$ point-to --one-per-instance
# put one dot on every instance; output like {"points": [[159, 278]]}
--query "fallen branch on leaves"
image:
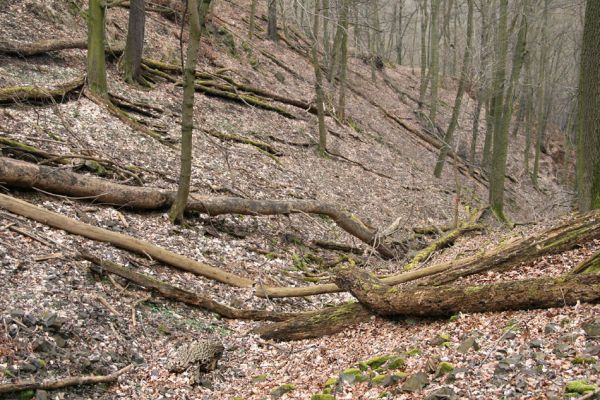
{"points": [[32, 93], [174, 293], [26, 175], [440, 301], [63, 382], [26, 49]]}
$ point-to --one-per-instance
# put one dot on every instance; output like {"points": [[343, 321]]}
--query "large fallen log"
{"points": [[507, 255], [446, 300], [25, 175], [27, 49]]}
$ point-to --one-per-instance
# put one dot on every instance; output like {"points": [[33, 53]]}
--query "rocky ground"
{"points": [[58, 317]]}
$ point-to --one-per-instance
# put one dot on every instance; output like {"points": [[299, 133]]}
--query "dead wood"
{"points": [[175, 293], [28, 49], [590, 264], [63, 382], [316, 324], [241, 139], [508, 255], [337, 247], [30, 93], [440, 301], [120, 240], [25, 175]]}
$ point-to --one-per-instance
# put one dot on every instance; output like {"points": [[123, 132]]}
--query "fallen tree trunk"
{"points": [[16, 94], [174, 293], [62, 383], [446, 300], [22, 174], [590, 264], [555, 240], [27, 49], [120, 240], [316, 324]]}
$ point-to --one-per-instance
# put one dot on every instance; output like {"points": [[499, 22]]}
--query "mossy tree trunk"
{"points": [[197, 9], [439, 166], [447, 300], [588, 135], [252, 18], [134, 47], [96, 66]]}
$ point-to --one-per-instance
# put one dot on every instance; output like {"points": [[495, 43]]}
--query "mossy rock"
{"points": [[281, 390], [580, 387], [395, 362], [377, 362], [413, 352], [582, 360], [259, 378], [352, 375], [444, 368], [26, 394], [331, 381], [322, 396]]}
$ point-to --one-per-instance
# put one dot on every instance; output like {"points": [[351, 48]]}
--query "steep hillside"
{"points": [[69, 319]]}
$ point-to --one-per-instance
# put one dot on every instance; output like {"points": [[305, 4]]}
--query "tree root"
{"points": [[19, 94], [22, 174], [64, 382], [174, 293], [441, 301]]}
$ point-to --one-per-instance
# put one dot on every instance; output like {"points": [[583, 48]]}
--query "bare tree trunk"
{"points": [[434, 68], [541, 95], [96, 66], [134, 47], [459, 94], [343, 60], [319, 83], [252, 19], [588, 135], [272, 21], [197, 12]]}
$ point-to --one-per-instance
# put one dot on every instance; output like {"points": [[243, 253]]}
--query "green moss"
{"points": [[453, 318], [444, 368], [281, 390], [471, 290], [413, 352], [396, 363], [378, 379], [331, 381], [581, 360], [579, 386], [376, 362], [322, 396], [259, 378], [352, 371], [26, 394], [392, 290]]}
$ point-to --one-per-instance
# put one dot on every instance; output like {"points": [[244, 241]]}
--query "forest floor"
{"points": [[60, 318]]}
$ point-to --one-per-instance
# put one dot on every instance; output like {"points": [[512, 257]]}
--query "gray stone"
{"points": [[41, 395], [536, 344], [467, 344], [592, 330], [416, 382], [445, 392], [551, 328]]}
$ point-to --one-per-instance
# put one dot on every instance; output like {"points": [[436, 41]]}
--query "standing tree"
{"points": [[439, 166], [588, 134], [197, 10], [96, 66], [252, 17], [132, 57], [434, 68], [319, 83], [272, 21], [343, 60]]}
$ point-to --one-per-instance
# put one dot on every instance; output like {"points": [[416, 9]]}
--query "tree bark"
{"points": [[26, 175], [134, 47], [96, 66], [272, 21], [320, 96], [14, 48], [443, 301], [17, 94], [588, 135]]}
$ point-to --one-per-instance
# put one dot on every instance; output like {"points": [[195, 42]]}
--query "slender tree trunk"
{"points": [[399, 35], [588, 134], [326, 41], [343, 60], [541, 95], [424, 74], [459, 94], [319, 83], [272, 21], [96, 66], [500, 141], [252, 18], [197, 12], [434, 68]]}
